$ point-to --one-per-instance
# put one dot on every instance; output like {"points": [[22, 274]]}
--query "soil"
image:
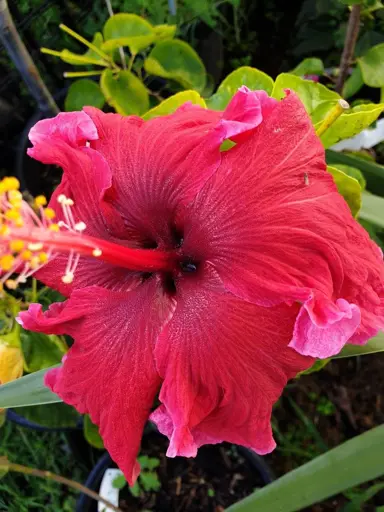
{"points": [[343, 400], [218, 477]]}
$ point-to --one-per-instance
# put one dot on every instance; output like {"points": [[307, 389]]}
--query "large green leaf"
{"points": [[354, 172], [310, 66], [54, 415], [40, 350], [376, 344], [317, 99], [253, 78], [348, 187], [124, 92], [351, 123], [163, 32], [372, 66], [352, 463], [353, 84], [28, 390], [127, 30], [178, 61], [174, 102], [84, 93], [373, 209], [91, 433]]}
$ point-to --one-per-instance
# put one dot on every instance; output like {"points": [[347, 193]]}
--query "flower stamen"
{"points": [[29, 239]]}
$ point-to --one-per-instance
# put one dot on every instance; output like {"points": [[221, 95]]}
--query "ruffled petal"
{"points": [[324, 335], [159, 165], [109, 372], [289, 235], [224, 363], [87, 178]]}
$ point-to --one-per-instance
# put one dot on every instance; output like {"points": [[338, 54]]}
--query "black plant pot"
{"points": [[93, 482]]}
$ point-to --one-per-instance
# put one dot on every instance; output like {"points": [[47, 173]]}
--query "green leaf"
{"points": [[56, 415], [310, 66], [316, 367], [372, 66], [351, 123], [348, 187], [178, 61], [353, 84], [28, 390], [149, 481], [4, 466], [127, 30], [163, 32], [322, 477], [173, 103], [253, 78], [372, 209], [135, 490], [354, 173], [40, 350], [125, 92], [91, 433], [357, 503], [148, 462], [119, 482], [371, 169], [3, 416], [316, 98], [374, 345], [80, 60], [84, 93]]}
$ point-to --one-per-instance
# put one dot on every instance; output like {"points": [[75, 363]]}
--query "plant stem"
{"points": [[18, 468], [121, 50], [349, 46], [82, 39], [34, 290], [23, 61]]}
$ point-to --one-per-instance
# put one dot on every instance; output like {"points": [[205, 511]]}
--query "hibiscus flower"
{"points": [[208, 277]]}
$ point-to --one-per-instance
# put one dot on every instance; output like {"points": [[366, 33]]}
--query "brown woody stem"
{"points": [[349, 46], [18, 468]]}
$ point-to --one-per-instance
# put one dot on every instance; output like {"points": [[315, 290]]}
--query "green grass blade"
{"points": [[28, 390], [352, 463], [372, 209], [375, 344]]}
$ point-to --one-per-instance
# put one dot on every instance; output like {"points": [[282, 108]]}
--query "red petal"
{"points": [[109, 372], [288, 235], [224, 363], [86, 180], [161, 164]]}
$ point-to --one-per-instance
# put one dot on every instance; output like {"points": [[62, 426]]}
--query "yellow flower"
{"points": [[11, 362]]}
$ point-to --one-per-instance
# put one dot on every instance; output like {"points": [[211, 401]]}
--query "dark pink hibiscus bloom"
{"points": [[212, 277]]}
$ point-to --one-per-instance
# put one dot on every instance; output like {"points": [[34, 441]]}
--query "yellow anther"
{"points": [[67, 278], [16, 245], [11, 284], [34, 262], [16, 203], [26, 255], [40, 201], [43, 257], [49, 213], [6, 262], [14, 194], [4, 230], [10, 183], [12, 214], [19, 223], [37, 246], [97, 252], [54, 227]]}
